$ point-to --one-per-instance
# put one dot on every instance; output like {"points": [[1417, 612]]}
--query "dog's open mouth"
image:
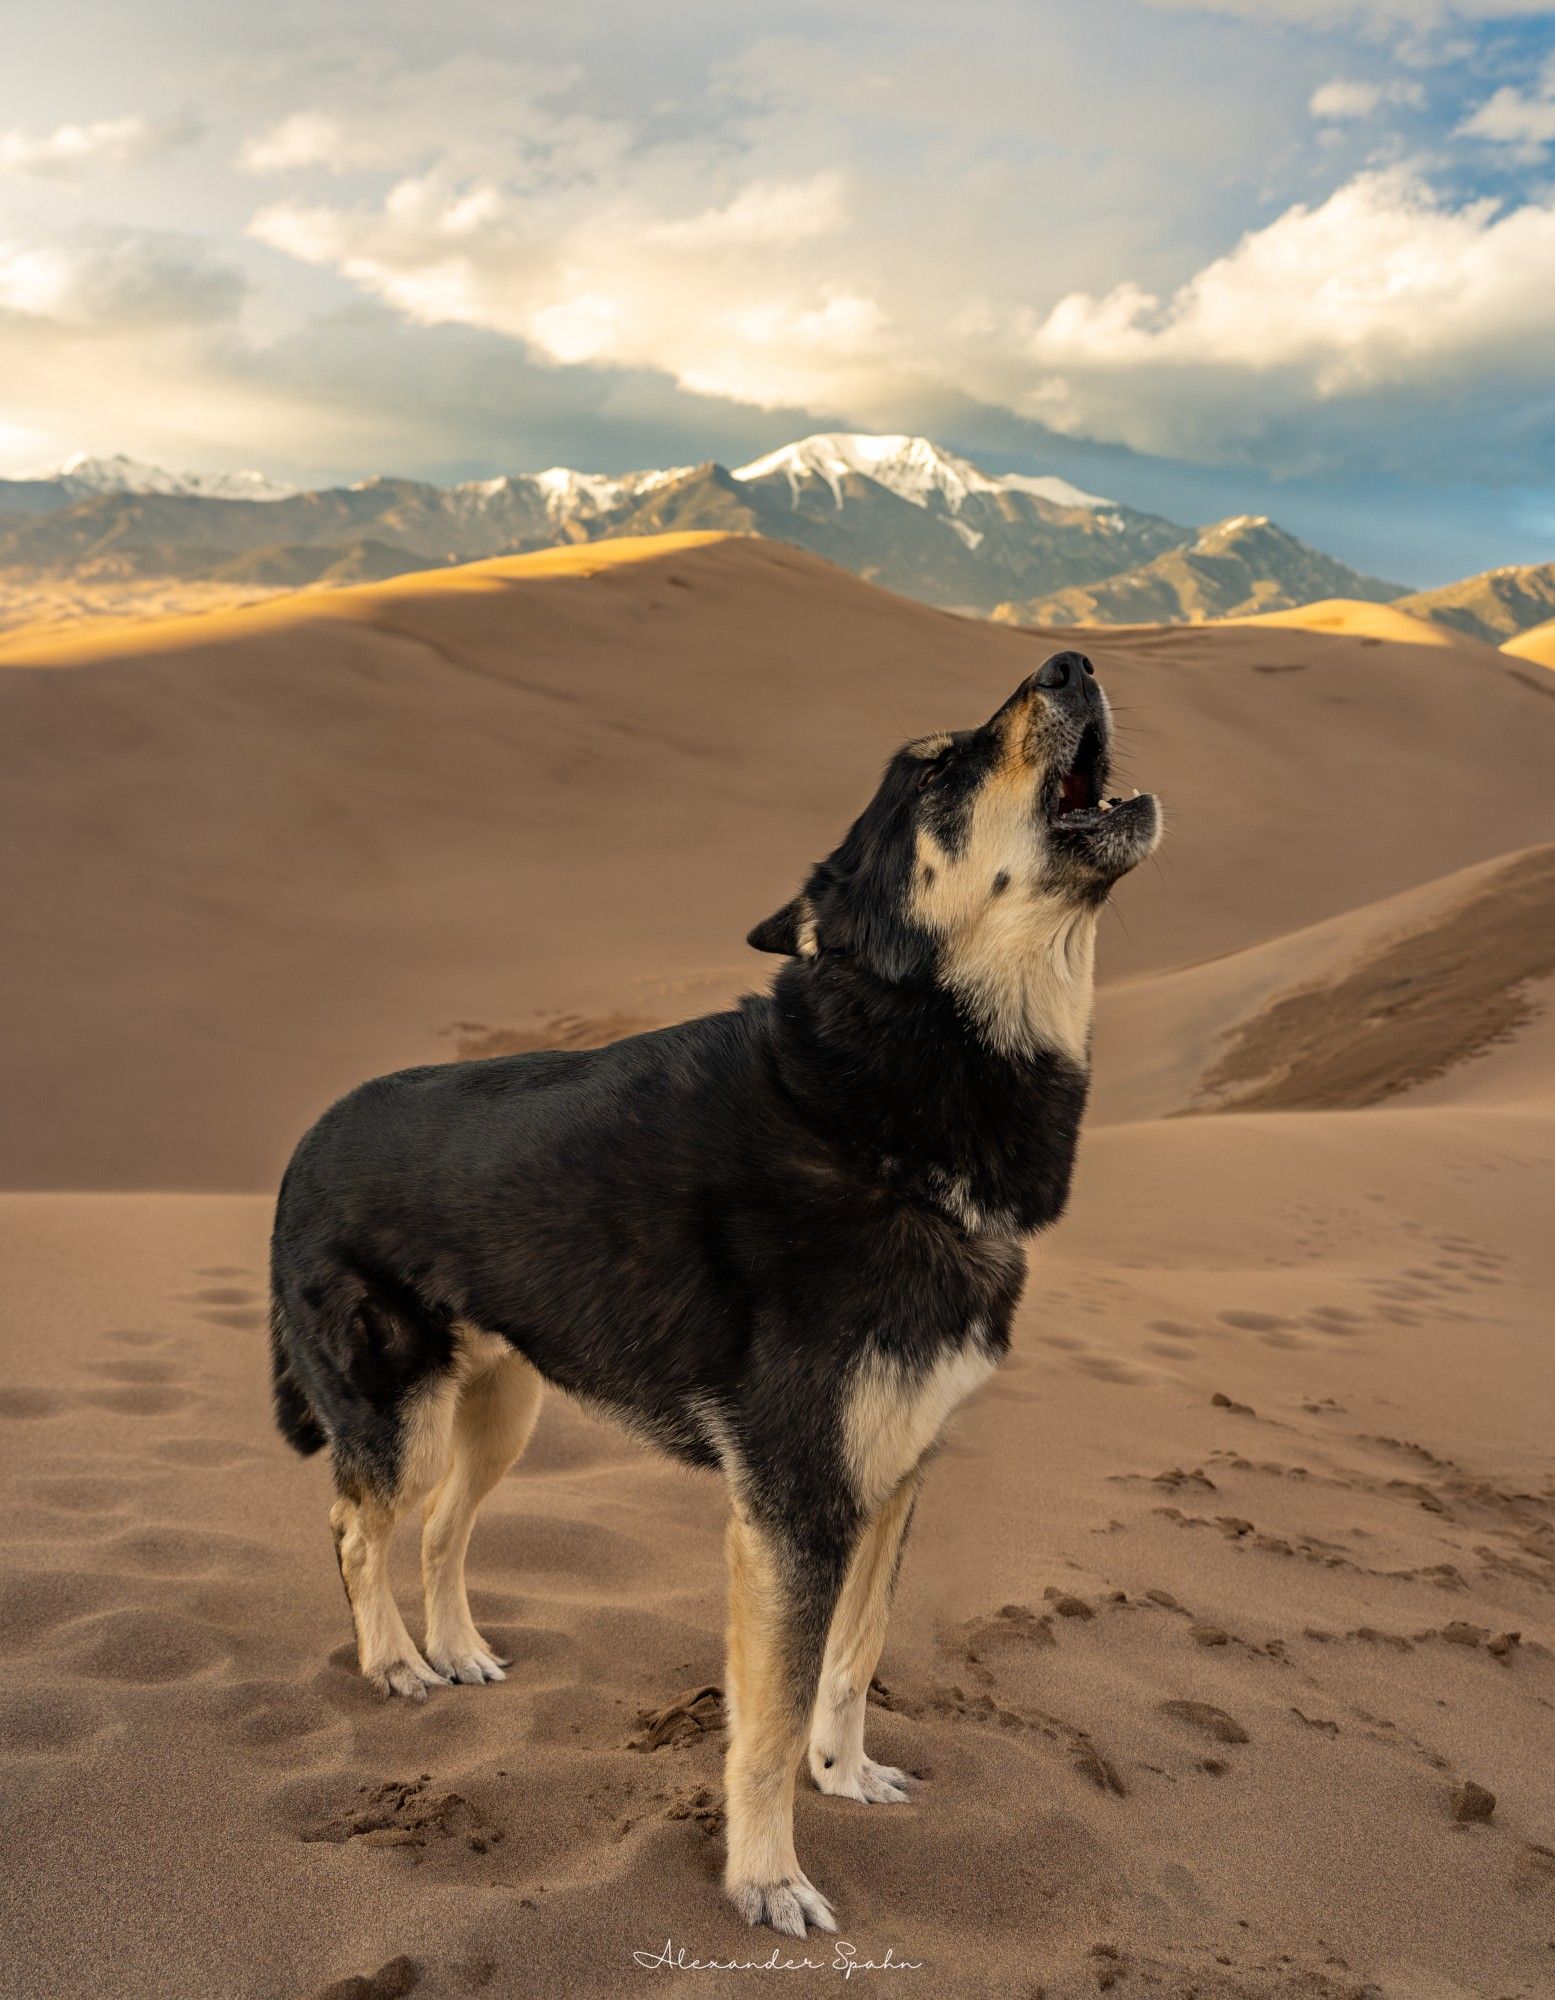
{"points": [[1080, 805]]}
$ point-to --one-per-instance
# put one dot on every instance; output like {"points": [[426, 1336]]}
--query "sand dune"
{"points": [[1451, 970], [568, 784], [1355, 618], [49, 610], [1226, 1594], [1538, 645]]}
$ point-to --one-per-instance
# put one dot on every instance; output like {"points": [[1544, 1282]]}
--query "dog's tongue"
{"points": [[1076, 793]]}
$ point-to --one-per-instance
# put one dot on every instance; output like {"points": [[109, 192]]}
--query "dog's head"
{"points": [[981, 861]]}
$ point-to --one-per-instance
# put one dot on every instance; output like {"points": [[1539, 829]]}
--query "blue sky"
{"points": [[1207, 256]]}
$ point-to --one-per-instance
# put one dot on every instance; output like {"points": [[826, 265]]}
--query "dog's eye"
{"points": [[931, 773]]}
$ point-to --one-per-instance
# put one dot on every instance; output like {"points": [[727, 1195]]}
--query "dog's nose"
{"points": [[1063, 670]]}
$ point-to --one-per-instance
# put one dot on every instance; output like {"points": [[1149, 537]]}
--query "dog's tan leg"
{"points": [[779, 1606], [363, 1525], [853, 1647], [492, 1420]]}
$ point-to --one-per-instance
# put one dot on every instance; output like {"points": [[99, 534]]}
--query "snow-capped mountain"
{"points": [[559, 492], [83, 476], [899, 510], [911, 467]]}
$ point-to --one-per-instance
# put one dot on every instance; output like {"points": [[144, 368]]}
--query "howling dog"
{"points": [[783, 1243]]}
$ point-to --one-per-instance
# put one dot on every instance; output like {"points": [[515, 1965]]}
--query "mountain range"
{"points": [[899, 511]]}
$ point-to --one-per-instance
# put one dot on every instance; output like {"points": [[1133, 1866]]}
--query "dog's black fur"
{"points": [[701, 1229]]}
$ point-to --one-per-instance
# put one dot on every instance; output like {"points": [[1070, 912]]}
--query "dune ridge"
{"points": [[1537, 645], [1355, 617]]}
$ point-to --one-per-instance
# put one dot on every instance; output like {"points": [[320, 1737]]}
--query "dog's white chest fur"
{"points": [[895, 1410]]}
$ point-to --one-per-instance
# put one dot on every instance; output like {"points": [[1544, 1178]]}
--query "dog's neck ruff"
{"points": [[904, 1082], [1030, 984]]}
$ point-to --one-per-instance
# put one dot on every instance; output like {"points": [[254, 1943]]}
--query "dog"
{"points": [[782, 1242]]}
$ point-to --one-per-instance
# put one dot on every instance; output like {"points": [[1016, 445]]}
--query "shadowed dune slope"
{"points": [[1359, 1008], [250, 858]]}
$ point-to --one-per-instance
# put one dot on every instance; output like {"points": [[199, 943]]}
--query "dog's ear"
{"points": [[789, 932]]}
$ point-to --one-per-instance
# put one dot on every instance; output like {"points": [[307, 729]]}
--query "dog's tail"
{"points": [[294, 1414]]}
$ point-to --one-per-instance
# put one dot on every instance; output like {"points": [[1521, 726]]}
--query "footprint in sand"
{"points": [[1207, 1720], [395, 1978], [44, 1722], [236, 1306], [134, 1371], [272, 1712], [517, 1543], [23, 1404], [71, 1495], [146, 1647], [243, 1319], [142, 1400], [399, 1812], [172, 1551], [36, 1603], [204, 1451], [1270, 1327]]}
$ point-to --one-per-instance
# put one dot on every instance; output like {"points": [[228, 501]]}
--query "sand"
{"points": [[1537, 645], [1356, 618], [1224, 1597], [50, 609]]}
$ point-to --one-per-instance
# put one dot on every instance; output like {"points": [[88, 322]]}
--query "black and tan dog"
{"points": [[782, 1242]]}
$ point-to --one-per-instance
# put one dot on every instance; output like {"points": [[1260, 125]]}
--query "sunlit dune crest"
{"points": [[1538, 645], [1353, 618], [60, 641]]}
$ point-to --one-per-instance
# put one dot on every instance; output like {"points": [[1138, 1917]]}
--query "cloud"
{"points": [[1382, 292], [305, 139], [117, 282], [728, 301], [764, 212], [1347, 97], [104, 146], [1522, 122], [1327, 14], [472, 116]]}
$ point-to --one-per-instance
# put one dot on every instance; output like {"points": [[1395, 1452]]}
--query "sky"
{"points": [[1293, 257]]}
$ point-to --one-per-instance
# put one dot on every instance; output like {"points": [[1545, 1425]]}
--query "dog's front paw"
{"points": [[787, 1905], [469, 1665], [870, 1783], [410, 1677]]}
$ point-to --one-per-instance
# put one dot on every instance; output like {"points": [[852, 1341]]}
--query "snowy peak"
{"points": [[1220, 536], [85, 475], [911, 467], [562, 493]]}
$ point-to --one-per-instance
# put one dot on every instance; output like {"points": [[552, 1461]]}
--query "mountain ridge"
{"points": [[895, 509]]}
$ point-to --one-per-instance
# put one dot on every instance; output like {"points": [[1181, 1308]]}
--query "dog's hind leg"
{"points": [[782, 1591], [363, 1520], [853, 1647], [499, 1398]]}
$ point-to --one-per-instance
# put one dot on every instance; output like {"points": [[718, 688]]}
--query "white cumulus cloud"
{"points": [[1523, 121], [1383, 288], [1348, 97], [727, 300], [117, 282], [71, 151]]}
